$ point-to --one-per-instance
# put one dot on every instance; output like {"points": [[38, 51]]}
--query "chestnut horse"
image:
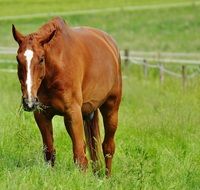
{"points": [[71, 72]]}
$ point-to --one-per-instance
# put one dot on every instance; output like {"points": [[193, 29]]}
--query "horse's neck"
{"points": [[50, 73], [54, 53]]}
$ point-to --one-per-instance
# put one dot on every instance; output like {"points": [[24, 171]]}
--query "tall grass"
{"points": [[157, 140]]}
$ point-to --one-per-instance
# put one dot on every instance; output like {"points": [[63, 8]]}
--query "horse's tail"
{"points": [[93, 140]]}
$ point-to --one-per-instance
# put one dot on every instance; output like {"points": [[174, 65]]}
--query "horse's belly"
{"points": [[93, 98], [91, 106], [95, 91], [101, 71]]}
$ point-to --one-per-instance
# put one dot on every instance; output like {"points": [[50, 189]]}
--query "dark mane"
{"points": [[56, 23]]}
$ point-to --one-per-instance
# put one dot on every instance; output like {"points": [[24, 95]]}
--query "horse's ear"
{"points": [[47, 38], [17, 35]]}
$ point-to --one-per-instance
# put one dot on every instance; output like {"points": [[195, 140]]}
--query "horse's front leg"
{"points": [[74, 125], [44, 123]]}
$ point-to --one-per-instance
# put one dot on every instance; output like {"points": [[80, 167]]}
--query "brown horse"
{"points": [[72, 72]]}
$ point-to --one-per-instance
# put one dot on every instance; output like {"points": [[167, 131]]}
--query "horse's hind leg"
{"points": [[44, 123], [92, 134], [109, 111]]}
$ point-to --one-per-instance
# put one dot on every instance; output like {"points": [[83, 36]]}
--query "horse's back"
{"points": [[103, 36]]}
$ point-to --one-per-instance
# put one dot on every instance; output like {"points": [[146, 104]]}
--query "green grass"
{"points": [[159, 126], [157, 140], [152, 30], [8, 7]]}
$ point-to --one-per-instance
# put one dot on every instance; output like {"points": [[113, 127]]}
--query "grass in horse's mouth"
{"points": [[39, 107]]}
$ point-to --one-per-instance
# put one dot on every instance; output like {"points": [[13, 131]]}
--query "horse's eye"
{"points": [[42, 60]]}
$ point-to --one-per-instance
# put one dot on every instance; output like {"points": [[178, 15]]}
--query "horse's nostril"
{"points": [[30, 104], [36, 101], [24, 100]]}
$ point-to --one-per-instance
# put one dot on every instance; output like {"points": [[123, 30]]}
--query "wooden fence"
{"points": [[148, 60], [154, 60]]}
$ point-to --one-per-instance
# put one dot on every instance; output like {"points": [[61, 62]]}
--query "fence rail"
{"points": [[148, 60], [160, 54], [154, 60]]}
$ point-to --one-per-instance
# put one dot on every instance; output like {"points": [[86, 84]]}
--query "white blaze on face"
{"points": [[29, 55]]}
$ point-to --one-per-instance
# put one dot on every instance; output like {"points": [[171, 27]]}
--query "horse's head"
{"points": [[31, 66]]}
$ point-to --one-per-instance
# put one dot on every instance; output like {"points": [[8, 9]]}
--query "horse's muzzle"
{"points": [[30, 104]]}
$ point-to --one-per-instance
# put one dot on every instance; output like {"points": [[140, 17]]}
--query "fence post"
{"points": [[126, 56], [161, 68], [184, 75], [145, 68], [161, 73]]}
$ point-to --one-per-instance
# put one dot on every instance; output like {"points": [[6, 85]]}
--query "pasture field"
{"points": [[174, 29], [8, 7], [158, 138]]}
